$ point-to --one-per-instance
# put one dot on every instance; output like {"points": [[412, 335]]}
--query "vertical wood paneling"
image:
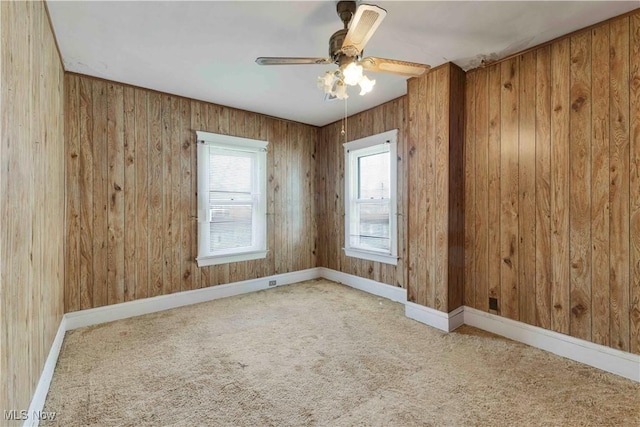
{"points": [[619, 182], [139, 157], [580, 186], [494, 202], [424, 170], [442, 166], [577, 123], [168, 212], [188, 240], [85, 188], [156, 184], [480, 209], [430, 195], [527, 188], [634, 197], [509, 190], [130, 210], [600, 185], [115, 212], [560, 75], [196, 113], [471, 97], [32, 193], [543, 187], [141, 225], [72, 166], [413, 163], [100, 193]]}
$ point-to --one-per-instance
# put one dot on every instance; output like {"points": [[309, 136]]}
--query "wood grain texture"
{"points": [[527, 188], [576, 176], [456, 212], [580, 186], [470, 230], [634, 197], [619, 183], [100, 193], [115, 213], [479, 213], [543, 188], [32, 194], [510, 81], [140, 209], [600, 120], [72, 165], [560, 75], [129, 231], [495, 181], [141, 224], [441, 220], [85, 188]]}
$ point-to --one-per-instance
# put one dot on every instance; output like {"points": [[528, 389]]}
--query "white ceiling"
{"points": [[206, 50]]}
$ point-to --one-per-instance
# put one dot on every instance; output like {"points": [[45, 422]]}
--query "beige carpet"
{"points": [[319, 353]]}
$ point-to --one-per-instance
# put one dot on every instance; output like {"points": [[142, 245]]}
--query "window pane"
{"points": [[231, 227], [373, 176], [372, 228], [230, 173]]}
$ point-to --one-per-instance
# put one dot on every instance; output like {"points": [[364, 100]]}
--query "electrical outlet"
{"points": [[272, 282], [493, 304]]}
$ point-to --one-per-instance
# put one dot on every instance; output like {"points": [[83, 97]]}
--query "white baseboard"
{"points": [[367, 285], [42, 389], [606, 358], [438, 319], [94, 316]]}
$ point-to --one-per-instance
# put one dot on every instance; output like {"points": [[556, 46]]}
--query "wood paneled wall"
{"points": [[436, 188], [330, 192], [430, 189], [131, 193], [31, 199], [553, 186]]}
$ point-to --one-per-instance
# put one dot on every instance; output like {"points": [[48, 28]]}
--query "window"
{"points": [[370, 198], [232, 222]]}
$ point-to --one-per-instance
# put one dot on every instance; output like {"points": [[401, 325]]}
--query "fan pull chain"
{"points": [[343, 132]]}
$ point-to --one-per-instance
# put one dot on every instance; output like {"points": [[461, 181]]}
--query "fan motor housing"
{"points": [[335, 43]]}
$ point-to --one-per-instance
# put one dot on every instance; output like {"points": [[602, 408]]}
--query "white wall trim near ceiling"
{"points": [[598, 356]]}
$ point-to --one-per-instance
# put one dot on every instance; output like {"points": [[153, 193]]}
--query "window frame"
{"points": [[242, 147], [354, 150]]}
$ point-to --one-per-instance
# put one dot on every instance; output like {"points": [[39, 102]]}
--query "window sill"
{"points": [[225, 259], [371, 256]]}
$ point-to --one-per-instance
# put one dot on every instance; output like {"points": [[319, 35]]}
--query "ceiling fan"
{"points": [[346, 47]]}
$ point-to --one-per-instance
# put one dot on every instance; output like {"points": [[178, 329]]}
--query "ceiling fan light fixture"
{"points": [[340, 90], [352, 74], [326, 81], [366, 85]]}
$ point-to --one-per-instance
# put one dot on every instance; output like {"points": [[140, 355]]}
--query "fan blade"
{"points": [[362, 26], [274, 60], [403, 68]]}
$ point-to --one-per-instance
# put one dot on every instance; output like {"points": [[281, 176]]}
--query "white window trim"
{"points": [[391, 138], [258, 250]]}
